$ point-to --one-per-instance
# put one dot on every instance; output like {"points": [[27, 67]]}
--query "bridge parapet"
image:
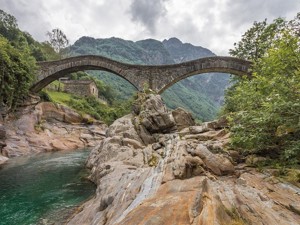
{"points": [[159, 77]]}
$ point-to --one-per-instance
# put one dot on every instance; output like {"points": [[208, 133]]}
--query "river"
{"points": [[43, 189]]}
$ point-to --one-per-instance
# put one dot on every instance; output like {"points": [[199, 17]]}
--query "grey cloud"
{"points": [[148, 12], [213, 24], [198, 30], [237, 17], [243, 12], [30, 16]]}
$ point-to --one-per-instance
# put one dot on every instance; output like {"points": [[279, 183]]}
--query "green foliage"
{"points": [[265, 111], [108, 114], [8, 26], [91, 105], [18, 53], [257, 40], [104, 90], [18, 39], [122, 88], [16, 72], [45, 97], [58, 97], [199, 105], [35, 47], [48, 52]]}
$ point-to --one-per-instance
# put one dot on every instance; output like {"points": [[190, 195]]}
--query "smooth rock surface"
{"points": [[179, 181], [48, 127], [3, 159], [183, 119], [154, 116]]}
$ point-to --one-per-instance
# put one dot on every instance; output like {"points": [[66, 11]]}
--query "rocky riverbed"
{"points": [[157, 167], [47, 127]]}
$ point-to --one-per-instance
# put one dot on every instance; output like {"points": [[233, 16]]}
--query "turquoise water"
{"points": [[43, 189]]}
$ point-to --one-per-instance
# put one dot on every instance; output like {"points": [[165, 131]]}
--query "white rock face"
{"points": [[178, 178], [48, 127], [3, 159]]}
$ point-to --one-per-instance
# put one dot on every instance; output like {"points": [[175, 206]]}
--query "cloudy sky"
{"points": [[214, 24]]}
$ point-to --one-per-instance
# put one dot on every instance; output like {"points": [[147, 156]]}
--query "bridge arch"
{"points": [[53, 70], [228, 65], [158, 77]]}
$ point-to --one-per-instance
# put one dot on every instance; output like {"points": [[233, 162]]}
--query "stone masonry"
{"points": [[159, 78], [81, 87]]}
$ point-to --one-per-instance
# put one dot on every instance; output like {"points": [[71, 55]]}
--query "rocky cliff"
{"points": [[157, 167], [47, 127]]}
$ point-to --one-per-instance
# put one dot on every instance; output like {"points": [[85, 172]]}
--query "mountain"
{"points": [[185, 52], [202, 94]]}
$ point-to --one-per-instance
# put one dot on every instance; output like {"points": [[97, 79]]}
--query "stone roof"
{"points": [[79, 82]]}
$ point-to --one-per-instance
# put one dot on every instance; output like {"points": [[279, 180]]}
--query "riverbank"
{"points": [[44, 188], [47, 127]]}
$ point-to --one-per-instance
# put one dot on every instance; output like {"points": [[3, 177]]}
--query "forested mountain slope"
{"points": [[201, 94]]}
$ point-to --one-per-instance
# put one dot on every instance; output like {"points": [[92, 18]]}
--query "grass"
{"points": [[59, 97], [89, 105], [55, 85], [289, 173], [235, 216]]}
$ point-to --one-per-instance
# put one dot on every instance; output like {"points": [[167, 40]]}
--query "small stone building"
{"points": [[80, 87]]}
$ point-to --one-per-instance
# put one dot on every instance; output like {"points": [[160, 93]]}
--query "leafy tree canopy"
{"points": [[16, 73], [265, 111]]}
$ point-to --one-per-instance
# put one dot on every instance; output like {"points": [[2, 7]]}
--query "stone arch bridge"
{"points": [[159, 78]]}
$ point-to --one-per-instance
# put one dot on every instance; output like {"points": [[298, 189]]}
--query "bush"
{"points": [[16, 73], [90, 105], [45, 96], [265, 111]]}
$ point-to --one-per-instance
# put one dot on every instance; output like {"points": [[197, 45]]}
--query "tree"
{"points": [[16, 73], [17, 38], [8, 25], [35, 47], [265, 111], [257, 40], [48, 51], [58, 40], [294, 25]]}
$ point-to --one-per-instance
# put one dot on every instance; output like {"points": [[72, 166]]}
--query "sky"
{"points": [[213, 24]]}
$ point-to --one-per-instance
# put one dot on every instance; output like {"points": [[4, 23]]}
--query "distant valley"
{"points": [[202, 95]]}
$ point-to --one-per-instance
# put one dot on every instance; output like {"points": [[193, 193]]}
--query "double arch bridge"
{"points": [[159, 77]]}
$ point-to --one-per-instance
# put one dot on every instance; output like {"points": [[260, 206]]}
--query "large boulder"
{"points": [[154, 116], [216, 163], [48, 127], [183, 118], [56, 112], [123, 127], [3, 159]]}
